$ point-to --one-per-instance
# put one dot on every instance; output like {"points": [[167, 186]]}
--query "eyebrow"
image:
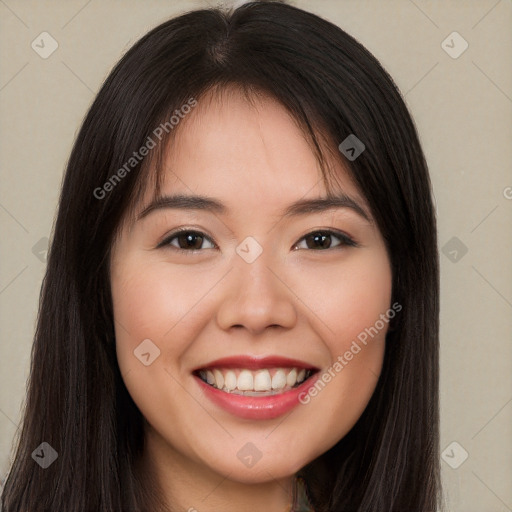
{"points": [[298, 208]]}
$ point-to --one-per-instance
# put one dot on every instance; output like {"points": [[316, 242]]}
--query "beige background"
{"points": [[462, 108]]}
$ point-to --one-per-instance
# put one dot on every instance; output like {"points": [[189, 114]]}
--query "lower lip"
{"points": [[256, 408]]}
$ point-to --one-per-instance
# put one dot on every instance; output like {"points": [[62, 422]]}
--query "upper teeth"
{"points": [[259, 380]]}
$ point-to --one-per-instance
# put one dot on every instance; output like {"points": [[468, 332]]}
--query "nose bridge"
{"points": [[255, 298]]}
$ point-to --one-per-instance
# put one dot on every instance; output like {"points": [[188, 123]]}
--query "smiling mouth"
{"points": [[255, 383]]}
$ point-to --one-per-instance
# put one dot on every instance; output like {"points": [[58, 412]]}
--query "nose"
{"points": [[256, 297]]}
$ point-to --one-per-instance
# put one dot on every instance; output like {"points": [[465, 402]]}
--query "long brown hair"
{"points": [[77, 401]]}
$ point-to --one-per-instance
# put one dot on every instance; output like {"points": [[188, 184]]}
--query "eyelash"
{"points": [[345, 240]]}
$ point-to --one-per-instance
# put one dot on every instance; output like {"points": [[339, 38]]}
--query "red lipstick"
{"points": [[264, 407], [257, 362]]}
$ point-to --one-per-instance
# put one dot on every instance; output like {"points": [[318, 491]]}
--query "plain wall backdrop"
{"points": [[461, 100]]}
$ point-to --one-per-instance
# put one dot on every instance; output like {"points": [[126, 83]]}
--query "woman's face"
{"points": [[275, 296]]}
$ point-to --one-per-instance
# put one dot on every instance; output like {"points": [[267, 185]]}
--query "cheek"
{"points": [[349, 297], [349, 301], [151, 297], [165, 303], [151, 302], [147, 305]]}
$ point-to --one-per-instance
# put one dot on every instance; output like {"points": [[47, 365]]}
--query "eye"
{"points": [[187, 240], [323, 240]]}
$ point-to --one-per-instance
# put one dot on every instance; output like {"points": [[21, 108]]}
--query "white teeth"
{"points": [[279, 380], [254, 383], [219, 378], [209, 377], [262, 381], [230, 380], [291, 379], [245, 381]]}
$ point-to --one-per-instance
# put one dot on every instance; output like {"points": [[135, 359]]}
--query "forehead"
{"points": [[248, 151]]}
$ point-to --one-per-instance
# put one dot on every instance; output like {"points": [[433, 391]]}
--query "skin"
{"points": [[293, 301]]}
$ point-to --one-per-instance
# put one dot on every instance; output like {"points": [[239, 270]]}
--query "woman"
{"points": [[240, 309]]}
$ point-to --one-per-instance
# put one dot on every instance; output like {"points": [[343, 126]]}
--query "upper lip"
{"points": [[256, 363]]}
